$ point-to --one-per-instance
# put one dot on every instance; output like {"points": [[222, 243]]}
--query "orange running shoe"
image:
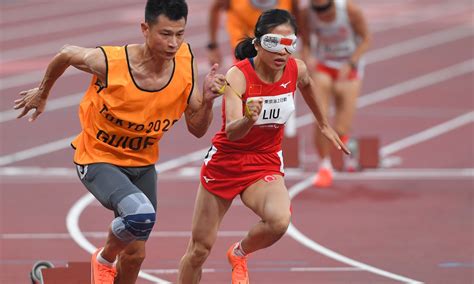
{"points": [[239, 267], [101, 273], [323, 178]]}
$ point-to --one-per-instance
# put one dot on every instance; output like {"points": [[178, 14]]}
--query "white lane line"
{"points": [[66, 142], [429, 134], [407, 174], [73, 216], [386, 150], [372, 56], [419, 43], [120, 34], [405, 87], [82, 203], [44, 10], [72, 223], [407, 46], [54, 25], [103, 235], [47, 173], [54, 104], [31, 77], [416, 16], [90, 19], [266, 269], [36, 151], [379, 55], [307, 242], [369, 99]]}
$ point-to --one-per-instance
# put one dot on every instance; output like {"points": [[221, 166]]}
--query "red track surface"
{"points": [[412, 221]]}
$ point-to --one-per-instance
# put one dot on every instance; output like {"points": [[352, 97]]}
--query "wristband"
{"points": [[222, 89], [247, 112]]}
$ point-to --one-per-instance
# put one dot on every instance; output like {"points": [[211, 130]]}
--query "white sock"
{"points": [[238, 251], [326, 164], [104, 261]]}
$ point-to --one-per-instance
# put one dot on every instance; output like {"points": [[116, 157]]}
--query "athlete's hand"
{"points": [[214, 84], [252, 110], [31, 99], [334, 138]]}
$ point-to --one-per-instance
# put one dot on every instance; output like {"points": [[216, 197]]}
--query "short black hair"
{"points": [[174, 10]]}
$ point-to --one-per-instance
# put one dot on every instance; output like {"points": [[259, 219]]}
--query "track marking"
{"points": [[405, 87], [50, 47], [50, 9], [418, 43], [73, 216], [77, 209], [376, 174], [428, 133], [372, 56], [386, 150], [369, 99], [72, 223], [266, 269], [307, 242], [103, 235], [37, 151]]}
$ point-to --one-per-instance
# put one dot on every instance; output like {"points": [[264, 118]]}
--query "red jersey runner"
{"points": [[231, 166]]}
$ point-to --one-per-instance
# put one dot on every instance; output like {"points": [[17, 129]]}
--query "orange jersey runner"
{"points": [[242, 15], [122, 123]]}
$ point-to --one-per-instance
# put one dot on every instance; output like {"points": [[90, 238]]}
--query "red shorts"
{"points": [[333, 72], [229, 174]]}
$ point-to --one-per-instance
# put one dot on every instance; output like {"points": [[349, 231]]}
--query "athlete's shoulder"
{"points": [[300, 67], [242, 63], [113, 50]]}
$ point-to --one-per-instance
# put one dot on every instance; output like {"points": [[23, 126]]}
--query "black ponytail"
{"points": [[245, 49]]}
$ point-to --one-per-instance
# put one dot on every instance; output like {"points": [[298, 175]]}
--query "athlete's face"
{"points": [[164, 37], [276, 60]]}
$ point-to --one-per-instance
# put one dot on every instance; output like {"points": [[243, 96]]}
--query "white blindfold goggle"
{"points": [[277, 43]]}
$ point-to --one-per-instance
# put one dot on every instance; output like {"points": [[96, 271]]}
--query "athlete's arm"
{"points": [[308, 90], [214, 18], [359, 24], [295, 10], [199, 114], [305, 36], [238, 124], [91, 60]]}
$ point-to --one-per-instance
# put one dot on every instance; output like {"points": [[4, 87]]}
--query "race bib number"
{"points": [[276, 109]]}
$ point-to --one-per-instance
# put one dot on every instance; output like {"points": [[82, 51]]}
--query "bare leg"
{"points": [[271, 202], [346, 100], [208, 213], [129, 261], [112, 247], [324, 89], [130, 258]]}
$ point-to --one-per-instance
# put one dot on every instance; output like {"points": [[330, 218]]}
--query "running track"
{"points": [[409, 221]]}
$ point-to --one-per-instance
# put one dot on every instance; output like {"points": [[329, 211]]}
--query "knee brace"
{"points": [[136, 220]]}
